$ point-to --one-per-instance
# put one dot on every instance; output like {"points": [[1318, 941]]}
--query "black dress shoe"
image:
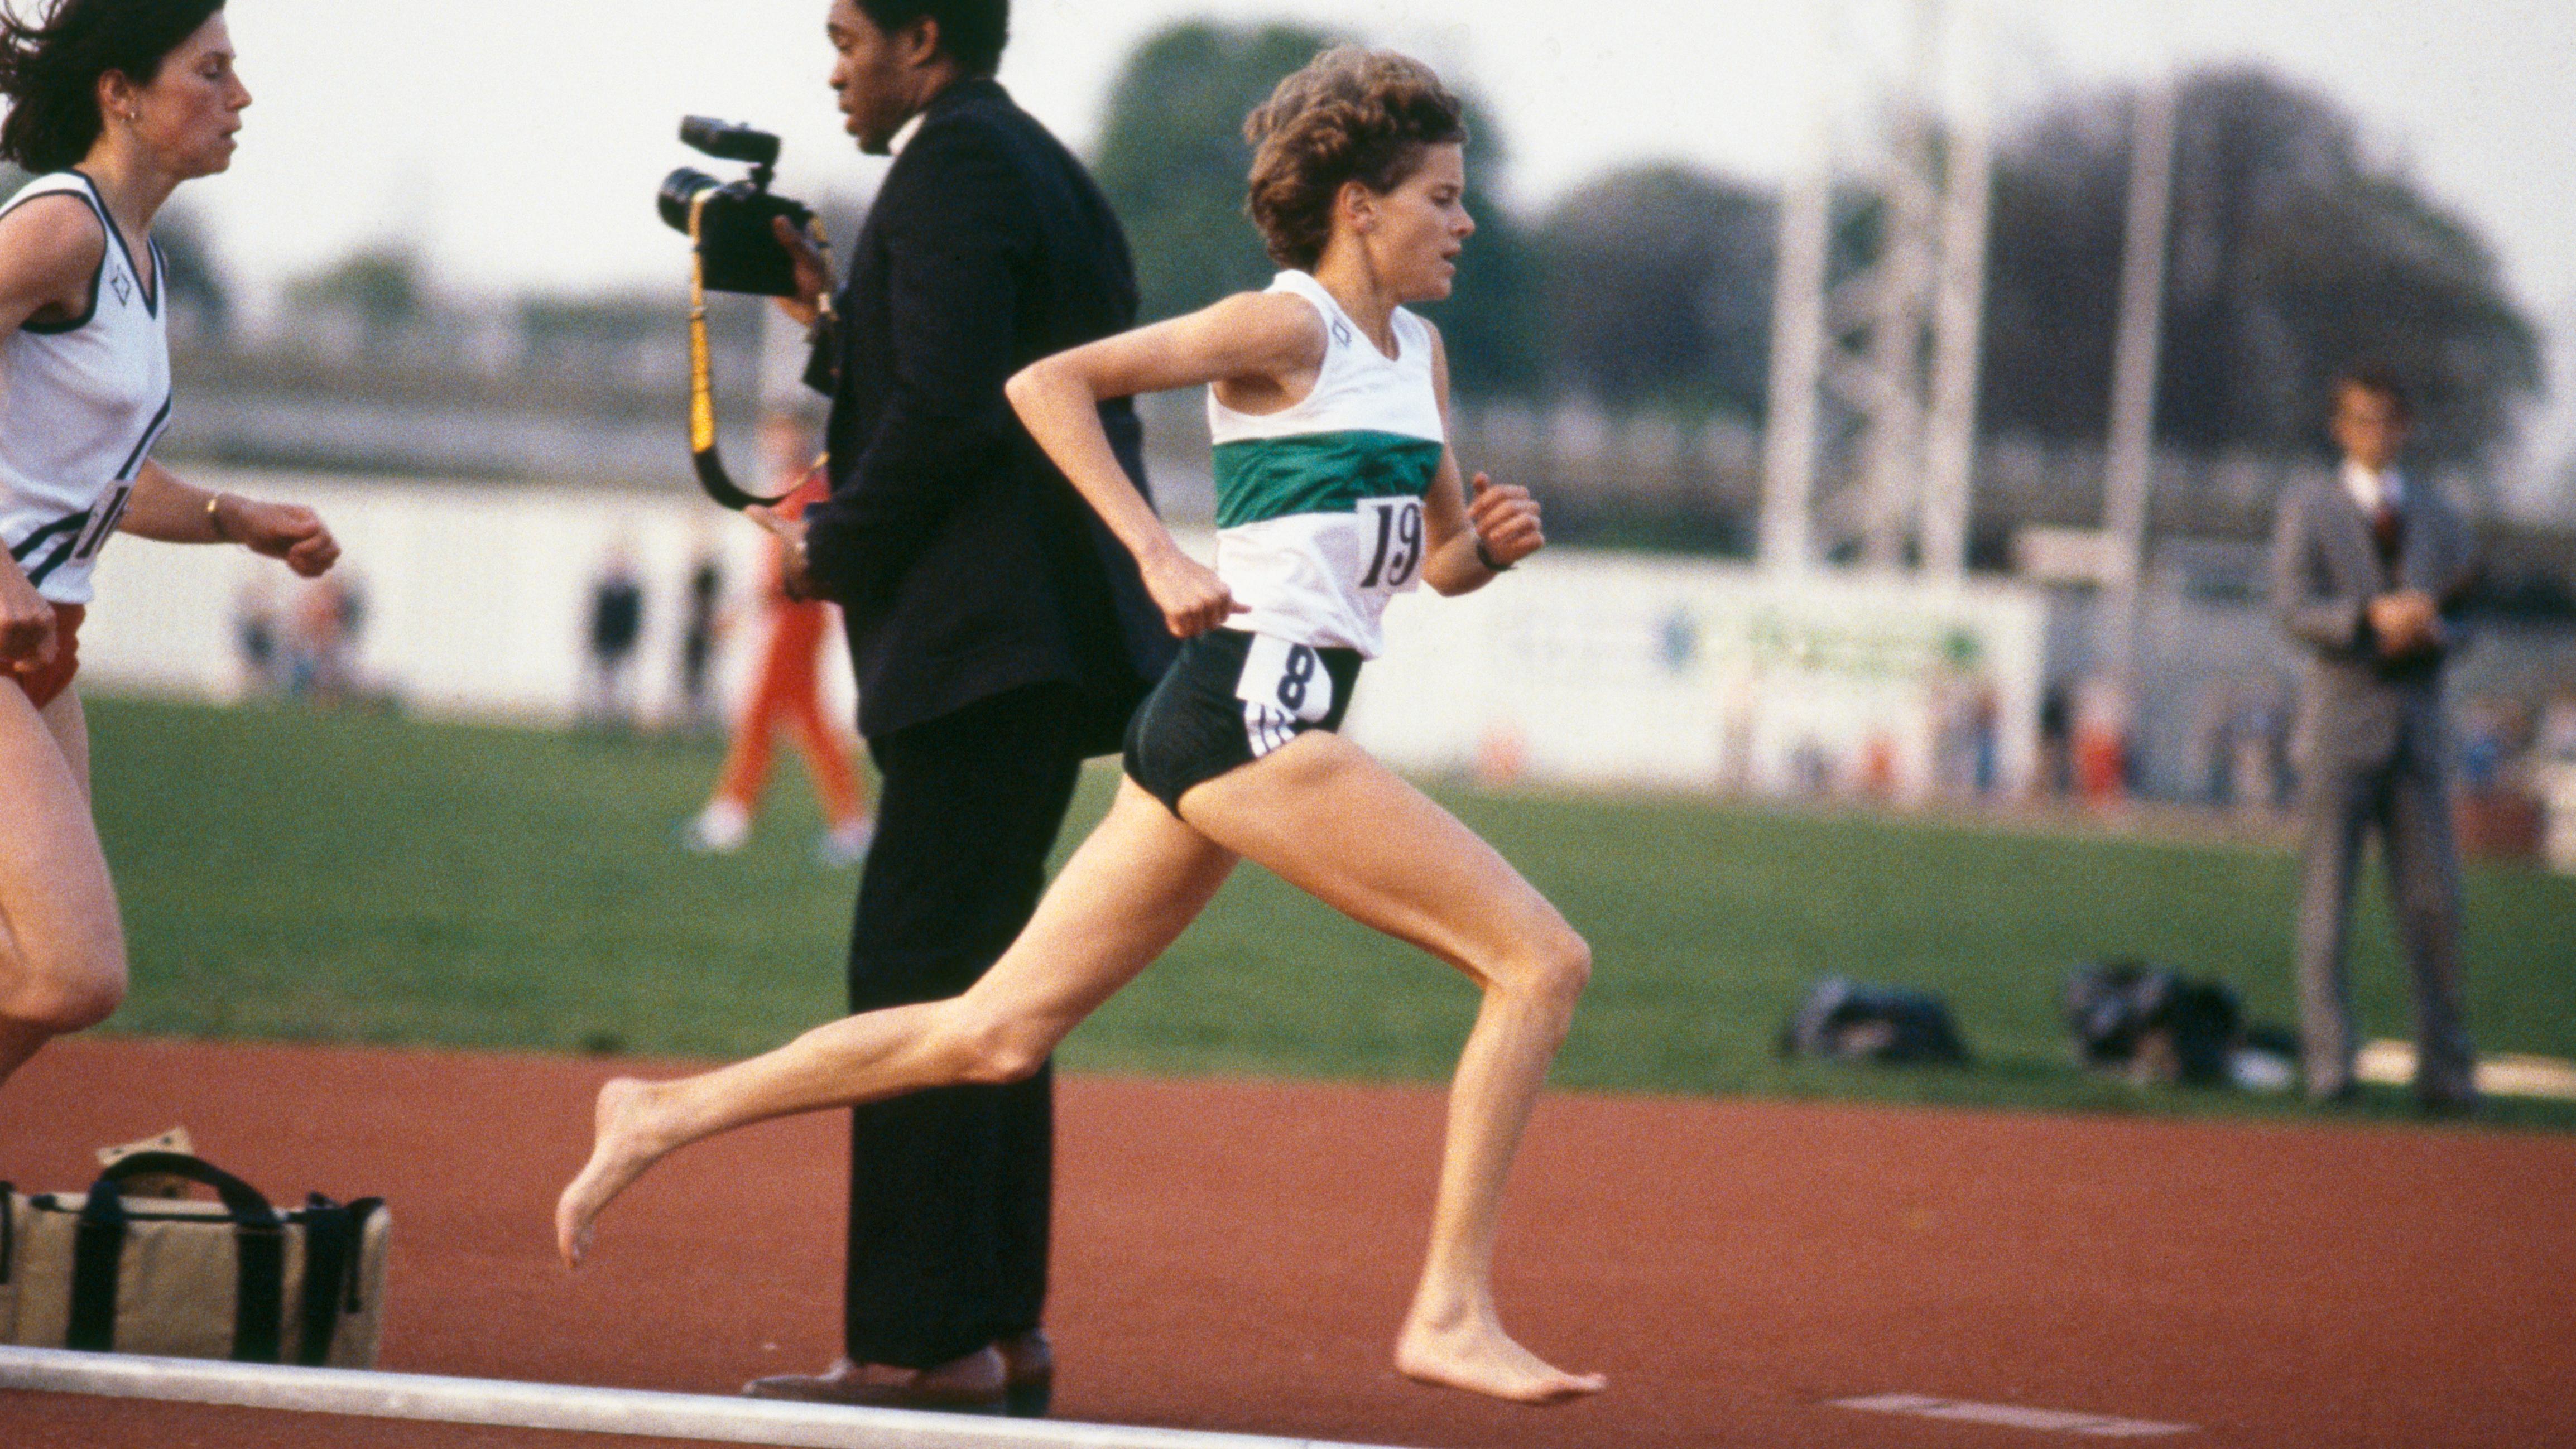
{"points": [[1028, 1373], [974, 1384]]}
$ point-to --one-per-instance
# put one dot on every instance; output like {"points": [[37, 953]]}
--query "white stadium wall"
{"points": [[477, 597], [1634, 670], [1585, 668]]}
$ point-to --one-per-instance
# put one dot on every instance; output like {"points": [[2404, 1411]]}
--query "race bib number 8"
{"points": [[1287, 677]]}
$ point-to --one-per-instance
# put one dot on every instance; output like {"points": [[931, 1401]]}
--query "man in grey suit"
{"points": [[2367, 567]]}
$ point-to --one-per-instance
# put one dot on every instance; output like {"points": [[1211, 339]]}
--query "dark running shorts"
{"points": [[1229, 699]]}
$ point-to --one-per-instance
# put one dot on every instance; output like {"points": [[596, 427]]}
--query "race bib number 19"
{"points": [[1399, 543], [1287, 677]]}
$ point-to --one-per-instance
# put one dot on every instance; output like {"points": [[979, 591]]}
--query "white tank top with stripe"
{"points": [[1319, 505], [81, 402]]}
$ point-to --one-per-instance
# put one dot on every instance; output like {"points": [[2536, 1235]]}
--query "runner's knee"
{"points": [[72, 988], [1552, 966]]}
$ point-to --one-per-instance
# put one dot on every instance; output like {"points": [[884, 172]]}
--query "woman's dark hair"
{"points": [[1351, 115], [49, 68], [971, 32]]}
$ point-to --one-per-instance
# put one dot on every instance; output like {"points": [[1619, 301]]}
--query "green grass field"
{"points": [[309, 876]]}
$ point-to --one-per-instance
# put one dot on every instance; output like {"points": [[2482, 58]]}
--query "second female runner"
{"points": [[114, 103]]}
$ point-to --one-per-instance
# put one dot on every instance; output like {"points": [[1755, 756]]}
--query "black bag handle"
{"points": [[98, 1248], [248, 1207], [330, 1243]]}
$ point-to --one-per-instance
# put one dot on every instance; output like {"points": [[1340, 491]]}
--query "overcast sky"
{"points": [[518, 142]]}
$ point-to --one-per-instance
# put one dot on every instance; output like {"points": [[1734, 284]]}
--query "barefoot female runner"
{"points": [[1335, 490], [115, 102]]}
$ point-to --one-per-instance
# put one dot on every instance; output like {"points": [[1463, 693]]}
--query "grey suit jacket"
{"points": [[2356, 709]]}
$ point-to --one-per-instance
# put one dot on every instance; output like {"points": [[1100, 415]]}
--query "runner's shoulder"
{"points": [[50, 243], [1281, 326]]}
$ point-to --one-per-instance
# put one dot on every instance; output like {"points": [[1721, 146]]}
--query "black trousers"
{"points": [[950, 1189]]}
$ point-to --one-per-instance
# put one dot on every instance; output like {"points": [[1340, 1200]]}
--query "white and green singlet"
{"points": [[1319, 505]]}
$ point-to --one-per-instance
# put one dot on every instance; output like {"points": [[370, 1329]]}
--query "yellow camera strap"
{"points": [[702, 398]]}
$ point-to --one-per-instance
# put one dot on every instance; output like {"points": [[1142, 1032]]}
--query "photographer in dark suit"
{"points": [[2367, 568], [1000, 637]]}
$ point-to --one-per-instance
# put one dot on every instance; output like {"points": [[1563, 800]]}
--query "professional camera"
{"points": [[736, 248]]}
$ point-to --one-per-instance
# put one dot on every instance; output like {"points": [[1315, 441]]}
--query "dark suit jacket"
{"points": [[965, 563], [2356, 709]]}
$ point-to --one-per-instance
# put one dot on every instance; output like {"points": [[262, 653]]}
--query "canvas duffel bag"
{"points": [[235, 1279]]}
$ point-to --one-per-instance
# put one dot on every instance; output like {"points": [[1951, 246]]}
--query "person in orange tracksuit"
{"points": [[788, 693]]}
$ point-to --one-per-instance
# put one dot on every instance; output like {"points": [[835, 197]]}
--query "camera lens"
{"points": [[679, 190], [727, 141]]}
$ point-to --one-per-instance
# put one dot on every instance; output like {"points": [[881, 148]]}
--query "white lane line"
{"points": [[638, 1413], [2050, 1421]]}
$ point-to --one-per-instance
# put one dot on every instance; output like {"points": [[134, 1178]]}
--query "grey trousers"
{"points": [[2408, 807]]}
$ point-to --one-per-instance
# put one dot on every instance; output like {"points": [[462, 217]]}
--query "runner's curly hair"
{"points": [[50, 68], [1352, 114]]}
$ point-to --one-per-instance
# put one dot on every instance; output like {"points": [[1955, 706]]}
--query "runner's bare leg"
{"points": [[1324, 816], [62, 950], [1127, 893]]}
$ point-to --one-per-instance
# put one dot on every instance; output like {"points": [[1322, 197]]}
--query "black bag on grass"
{"points": [[1843, 1020], [2151, 1024]]}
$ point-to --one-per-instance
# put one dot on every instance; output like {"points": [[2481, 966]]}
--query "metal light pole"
{"points": [[2133, 365], [1958, 327], [1797, 361], [1865, 340]]}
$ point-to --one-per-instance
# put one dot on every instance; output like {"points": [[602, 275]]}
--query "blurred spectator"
{"points": [[2556, 741], [2056, 776], [2368, 566], [2553, 772], [2259, 735], [702, 627], [322, 627], [1877, 779], [255, 630], [2497, 814], [2100, 741], [616, 624], [2491, 731], [1966, 722], [2213, 741], [1811, 767], [788, 694], [1985, 737], [2241, 739]]}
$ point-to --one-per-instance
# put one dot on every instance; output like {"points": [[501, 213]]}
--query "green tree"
{"points": [[1659, 288], [1172, 160], [1172, 157], [384, 287], [2293, 254]]}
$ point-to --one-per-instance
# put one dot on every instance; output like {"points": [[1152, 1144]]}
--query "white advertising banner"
{"points": [[470, 601], [1625, 669], [1608, 669]]}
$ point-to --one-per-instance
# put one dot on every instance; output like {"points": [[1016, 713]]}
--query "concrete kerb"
{"points": [[638, 1413]]}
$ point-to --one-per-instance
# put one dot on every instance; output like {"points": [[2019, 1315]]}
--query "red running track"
{"points": [[1235, 1255]]}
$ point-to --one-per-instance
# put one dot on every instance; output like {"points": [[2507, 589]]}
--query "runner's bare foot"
{"points": [[625, 1143], [1476, 1355]]}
